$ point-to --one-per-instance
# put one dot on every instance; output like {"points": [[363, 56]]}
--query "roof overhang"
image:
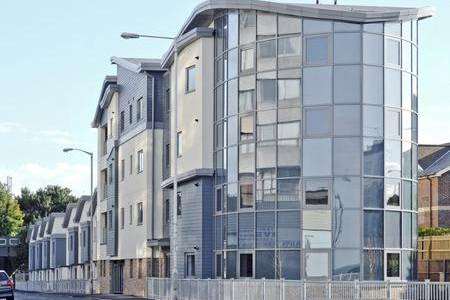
{"points": [[137, 65], [109, 87]]}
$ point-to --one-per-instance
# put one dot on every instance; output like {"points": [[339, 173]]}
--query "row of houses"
{"points": [[59, 245]]}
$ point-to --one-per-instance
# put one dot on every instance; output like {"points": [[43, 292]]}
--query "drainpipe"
{"points": [[153, 158], [431, 200]]}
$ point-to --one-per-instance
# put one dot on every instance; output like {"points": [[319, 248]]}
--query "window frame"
{"points": [[188, 88], [140, 213], [140, 162]]}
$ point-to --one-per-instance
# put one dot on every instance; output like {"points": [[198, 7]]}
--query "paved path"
{"points": [[39, 296]]}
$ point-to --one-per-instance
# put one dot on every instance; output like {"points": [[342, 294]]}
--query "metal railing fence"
{"points": [[264, 289], [68, 286]]}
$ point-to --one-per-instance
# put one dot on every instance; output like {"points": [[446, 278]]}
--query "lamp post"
{"points": [[173, 238], [91, 157]]}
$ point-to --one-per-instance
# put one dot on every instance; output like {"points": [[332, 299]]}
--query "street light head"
{"points": [[67, 149], [129, 35]]}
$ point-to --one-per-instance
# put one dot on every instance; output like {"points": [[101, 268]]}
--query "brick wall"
{"points": [[134, 285]]}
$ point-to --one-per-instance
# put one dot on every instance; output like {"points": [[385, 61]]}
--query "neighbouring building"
{"points": [[54, 248], [434, 185], [129, 215]]}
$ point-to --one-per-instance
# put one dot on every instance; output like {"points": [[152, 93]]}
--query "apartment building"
{"points": [[129, 213], [55, 252], [434, 185]]}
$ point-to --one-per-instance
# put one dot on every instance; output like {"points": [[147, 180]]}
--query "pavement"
{"points": [[41, 296]]}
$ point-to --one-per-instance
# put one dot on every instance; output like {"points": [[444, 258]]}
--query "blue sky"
{"points": [[55, 55]]}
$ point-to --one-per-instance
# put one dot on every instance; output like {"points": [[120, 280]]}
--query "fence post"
{"points": [[304, 289], [356, 289], [329, 288], [281, 289], [264, 288], [232, 288], [388, 289], [427, 289]]}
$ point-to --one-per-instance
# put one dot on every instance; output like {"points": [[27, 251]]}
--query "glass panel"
{"points": [[393, 230], [246, 230], [246, 128], [347, 156], [289, 262], [392, 87], [407, 230], [288, 229], [392, 192], [373, 265], [317, 157], [265, 230], [247, 83], [289, 114], [218, 230], [347, 120], [266, 25], [316, 239], [346, 264], [317, 220], [346, 234], [231, 264], [317, 192], [267, 93], [232, 130], [373, 85], [406, 56], [317, 50], [232, 97], [232, 231], [406, 126], [247, 60], [219, 103], [406, 159], [373, 157], [347, 84], [317, 86], [247, 26], [233, 63], [288, 193], [373, 49], [266, 191], [289, 25], [373, 192], [373, 229], [289, 52], [266, 132], [288, 130], [247, 199], [246, 101], [408, 262], [407, 194], [373, 120], [406, 91], [392, 156], [317, 265], [288, 93], [218, 26], [318, 121], [344, 27], [414, 132], [392, 51], [393, 265], [347, 192], [414, 166], [265, 264], [373, 27], [288, 157], [232, 164], [392, 29], [246, 265], [347, 48], [392, 123], [315, 26], [265, 156], [232, 197], [266, 55], [233, 29]]}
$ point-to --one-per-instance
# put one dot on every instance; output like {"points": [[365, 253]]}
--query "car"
{"points": [[6, 286]]}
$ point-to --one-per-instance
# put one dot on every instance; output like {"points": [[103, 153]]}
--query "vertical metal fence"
{"points": [[205, 289], [69, 286]]}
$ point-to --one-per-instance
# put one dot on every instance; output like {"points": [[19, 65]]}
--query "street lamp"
{"points": [[173, 238], [91, 156]]}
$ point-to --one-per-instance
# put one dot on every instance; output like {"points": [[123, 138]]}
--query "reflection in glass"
{"points": [[247, 60], [317, 85], [346, 264], [392, 88], [392, 192], [317, 121], [373, 157], [347, 84], [408, 263], [318, 219], [266, 25], [246, 128], [265, 156], [289, 25], [267, 93], [373, 120], [288, 193], [392, 156], [246, 194], [317, 265], [393, 265], [317, 52], [289, 52], [316, 239], [347, 156], [266, 55], [373, 49], [373, 265], [347, 192], [233, 63], [393, 225], [231, 264], [288, 93], [288, 229], [266, 191], [373, 192], [233, 29], [246, 101], [232, 231], [406, 159], [289, 262], [346, 232], [265, 264], [317, 157], [373, 229], [316, 192], [392, 51], [246, 230], [407, 230], [265, 230], [347, 120], [347, 48], [247, 26], [373, 85], [392, 123], [232, 193], [316, 26]]}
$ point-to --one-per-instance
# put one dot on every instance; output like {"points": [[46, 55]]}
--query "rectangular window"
{"points": [[247, 60], [110, 131], [317, 50], [122, 169], [131, 214], [219, 266], [140, 161], [190, 265], [316, 192], [131, 268], [318, 121], [178, 204], [140, 213], [168, 156], [104, 226], [167, 100], [219, 199], [140, 109], [122, 217], [190, 79], [110, 177], [130, 113], [266, 58], [246, 195], [289, 52], [110, 223], [179, 143], [393, 265], [122, 121], [167, 211], [140, 268], [246, 265], [131, 164]]}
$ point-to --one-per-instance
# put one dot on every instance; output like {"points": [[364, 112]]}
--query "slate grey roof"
{"points": [[109, 85], [42, 227], [51, 221], [138, 65], [441, 163], [68, 213], [80, 207]]}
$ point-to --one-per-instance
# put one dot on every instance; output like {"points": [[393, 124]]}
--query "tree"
{"points": [[44, 201], [11, 216]]}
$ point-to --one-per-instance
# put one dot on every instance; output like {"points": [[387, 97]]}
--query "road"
{"points": [[37, 296]]}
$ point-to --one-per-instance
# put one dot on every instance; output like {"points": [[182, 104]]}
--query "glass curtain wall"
{"points": [[315, 147]]}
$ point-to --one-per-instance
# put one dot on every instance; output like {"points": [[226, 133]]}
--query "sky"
{"points": [[55, 55]]}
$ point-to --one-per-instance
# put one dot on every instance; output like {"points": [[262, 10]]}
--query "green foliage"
{"points": [[433, 231], [11, 216], [44, 201]]}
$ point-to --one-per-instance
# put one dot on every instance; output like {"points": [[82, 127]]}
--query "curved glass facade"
{"points": [[315, 148]]}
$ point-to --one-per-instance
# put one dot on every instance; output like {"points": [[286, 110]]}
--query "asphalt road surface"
{"points": [[38, 296]]}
